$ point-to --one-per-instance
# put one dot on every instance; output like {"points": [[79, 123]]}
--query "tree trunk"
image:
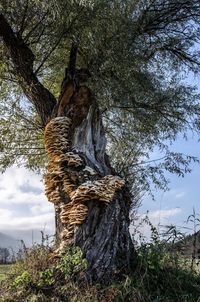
{"points": [[105, 240], [102, 232], [91, 202]]}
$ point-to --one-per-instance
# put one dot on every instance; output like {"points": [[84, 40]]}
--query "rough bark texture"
{"points": [[105, 240], [104, 237], [22, 60], [103, 234]]}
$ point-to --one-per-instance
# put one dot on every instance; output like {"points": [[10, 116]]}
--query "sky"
{"points": [[25, 211], [174, 206]]}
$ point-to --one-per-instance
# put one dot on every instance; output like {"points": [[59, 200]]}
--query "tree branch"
{"points": [[22, 26], [22, 59], [72, 61]]}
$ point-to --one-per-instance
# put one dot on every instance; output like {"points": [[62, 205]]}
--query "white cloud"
{"points": [[11, 187], [16, 177], [9, 221], [176, 194], [20, 187], [179, 195], [42, 207], [5, 213], [161, 215]]}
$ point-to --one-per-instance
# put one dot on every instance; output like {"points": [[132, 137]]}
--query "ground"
{"points": [[4, 270]]}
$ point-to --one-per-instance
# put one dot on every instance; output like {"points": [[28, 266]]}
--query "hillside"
{"points": [[7, 241]]}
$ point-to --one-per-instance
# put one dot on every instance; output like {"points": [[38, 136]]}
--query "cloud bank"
{"points": [[23, 205]]}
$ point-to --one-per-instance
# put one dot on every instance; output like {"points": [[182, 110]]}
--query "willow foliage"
{"points": [[138, 53]]}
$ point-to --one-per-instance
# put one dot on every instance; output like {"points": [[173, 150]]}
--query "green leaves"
{"points": [[21, 137], [23, 280], [137, 53], [71, 262]]}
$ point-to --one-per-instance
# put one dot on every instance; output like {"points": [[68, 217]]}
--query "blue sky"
{"points": [[175, 205]]}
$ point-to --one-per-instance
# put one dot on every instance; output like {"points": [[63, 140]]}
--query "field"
{"points": [[4, 270]]}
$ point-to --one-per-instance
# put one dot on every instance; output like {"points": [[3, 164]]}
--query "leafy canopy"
{"points": [[138, 53]]}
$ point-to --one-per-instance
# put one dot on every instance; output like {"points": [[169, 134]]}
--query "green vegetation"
{"points": [[129, 47], [161, 274], [138, 54], [4, 270]]}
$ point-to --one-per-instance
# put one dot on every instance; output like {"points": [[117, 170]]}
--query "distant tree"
{"points": [[4, 255], [133, 55]]}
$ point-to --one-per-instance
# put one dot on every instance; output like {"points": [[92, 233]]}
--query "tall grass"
{"points": [[4, 270], [162, 273]]}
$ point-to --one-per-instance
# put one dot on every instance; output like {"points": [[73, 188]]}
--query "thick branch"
{"points": [[22, 59], [72, 60]]}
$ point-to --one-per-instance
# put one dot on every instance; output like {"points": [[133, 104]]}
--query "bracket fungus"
{"points": [[59, 181]]}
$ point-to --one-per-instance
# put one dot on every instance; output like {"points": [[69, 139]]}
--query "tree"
{"points": [[4, 255], [132, 55]]}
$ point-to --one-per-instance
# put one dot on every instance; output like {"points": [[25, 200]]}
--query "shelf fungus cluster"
{"points": [[62, 179], [101, 190]]}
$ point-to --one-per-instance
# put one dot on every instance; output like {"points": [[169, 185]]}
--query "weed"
{"points": [[162, 274], [71, 262]]}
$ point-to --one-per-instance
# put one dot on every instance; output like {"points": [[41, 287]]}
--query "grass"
{"points": [[4, 270], [159, 277], [162, 274]]}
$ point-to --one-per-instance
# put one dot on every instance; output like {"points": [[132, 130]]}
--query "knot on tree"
{"points": [[63, 179]]}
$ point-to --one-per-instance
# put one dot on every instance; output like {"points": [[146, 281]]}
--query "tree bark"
{"points": [[103, 235], [22, 59], [105, 240], [91, 203]]}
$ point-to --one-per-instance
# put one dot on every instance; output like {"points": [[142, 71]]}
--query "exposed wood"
{"points": [[96, 218], [72, 84], [104, 237]]}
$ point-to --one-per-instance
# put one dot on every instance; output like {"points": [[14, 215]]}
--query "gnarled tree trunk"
{"points": [[91, 203], [102, 231], [104, 236]]}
